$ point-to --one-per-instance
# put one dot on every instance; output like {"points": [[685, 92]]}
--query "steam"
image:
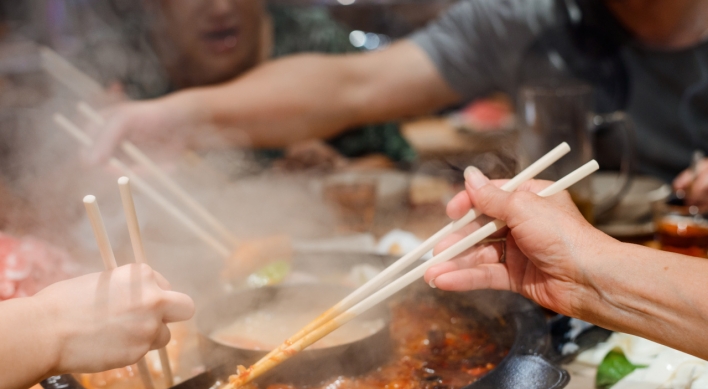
{"points": [[47, 173]]}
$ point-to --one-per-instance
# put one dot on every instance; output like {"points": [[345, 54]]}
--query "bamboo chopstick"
{"points": [[380, 279], [69, 75], [271, 361], [139, 157], [136, 241], [144, 187], [109, 261]]}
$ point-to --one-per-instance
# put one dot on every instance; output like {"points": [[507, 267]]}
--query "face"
{"points": [[663, 23], [208, 41]]}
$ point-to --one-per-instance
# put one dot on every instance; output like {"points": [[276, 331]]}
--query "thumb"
{"points": [[510, 207], [486, 197]]}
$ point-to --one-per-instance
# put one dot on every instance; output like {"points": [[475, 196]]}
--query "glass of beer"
{"points": [[549, 113], [682, 230]]}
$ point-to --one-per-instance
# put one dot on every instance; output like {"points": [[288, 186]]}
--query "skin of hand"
{"points": [[163, 126], [88, 324], [696, 188], [297, 98], [536, 251], [556, 258]]}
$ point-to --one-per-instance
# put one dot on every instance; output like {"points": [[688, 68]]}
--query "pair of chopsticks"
{"points": [[109, 261], [221, 245], [87, 88], [370, 295]]}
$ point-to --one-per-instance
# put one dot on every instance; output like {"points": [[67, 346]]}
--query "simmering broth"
{"points": [[266, 328]]}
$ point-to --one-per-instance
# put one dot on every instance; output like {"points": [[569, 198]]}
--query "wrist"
{"points": [[46, 322], [195, 117], [189, 104], [596, 271]]}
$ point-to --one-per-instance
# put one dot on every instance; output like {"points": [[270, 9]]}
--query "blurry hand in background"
{"points": [[165, 128], [695, 186]]}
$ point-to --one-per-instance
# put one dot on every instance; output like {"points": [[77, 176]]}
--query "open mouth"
{"points": [[221, 40]]}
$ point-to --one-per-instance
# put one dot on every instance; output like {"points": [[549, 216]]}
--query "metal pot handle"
{"points": [[66, 381], [628, 157], [524, 371]]}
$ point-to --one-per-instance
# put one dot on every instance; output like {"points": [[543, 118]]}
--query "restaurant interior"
{"points": [[353, 194]]}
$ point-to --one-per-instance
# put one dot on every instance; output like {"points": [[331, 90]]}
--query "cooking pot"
{"points": [[312, 365], [524, 330]]}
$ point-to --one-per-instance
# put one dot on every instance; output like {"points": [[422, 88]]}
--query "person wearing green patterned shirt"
{"points": [[153, 49]]}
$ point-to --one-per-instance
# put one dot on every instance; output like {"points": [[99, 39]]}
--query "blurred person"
{"points": [[148, 49], [647, 57], [87, 324], [553, 256]]}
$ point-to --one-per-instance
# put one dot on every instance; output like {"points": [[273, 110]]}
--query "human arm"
{"points": [[88, 324], [556, 258], [284, 101]]}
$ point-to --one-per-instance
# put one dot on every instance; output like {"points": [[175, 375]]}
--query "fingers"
{"points": [[698, 195], [106, 142], [162, 338], [513, 208], [683, 179], [162, 281], [484, 276], [485, 254], [157, 294], [177, 307], [459, 205]]}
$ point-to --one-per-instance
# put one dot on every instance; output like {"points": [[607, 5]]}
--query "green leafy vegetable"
{"points": [[613, 368]]}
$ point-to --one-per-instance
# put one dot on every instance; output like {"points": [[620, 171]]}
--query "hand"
{"points": [[164, 126], [695, 186], [548, 245], [111, 319]]}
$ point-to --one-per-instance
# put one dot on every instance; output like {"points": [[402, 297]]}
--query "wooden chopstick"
{"points": [[139, 157], [69, 75], [139, 252], [144, 187], [268, 363], [109, 261], [380, 279]]}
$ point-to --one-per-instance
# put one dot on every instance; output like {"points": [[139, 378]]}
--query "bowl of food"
{"points": [[637, 202], [241, 327]]}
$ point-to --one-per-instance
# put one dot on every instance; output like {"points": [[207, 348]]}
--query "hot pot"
{"points": [[524, 332], [516, 323], [311, 365]]}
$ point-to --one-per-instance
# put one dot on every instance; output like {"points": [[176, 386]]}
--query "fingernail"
{"points": [[475, 177], [432, 283]]}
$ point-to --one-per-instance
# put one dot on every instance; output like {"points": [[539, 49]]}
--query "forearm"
{"points": [[27, 349], [657, 295], [317, 96]]}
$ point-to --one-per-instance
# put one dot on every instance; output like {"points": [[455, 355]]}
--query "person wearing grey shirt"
{"points": [[649, 58]]}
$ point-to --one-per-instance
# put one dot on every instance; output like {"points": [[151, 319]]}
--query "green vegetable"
{"points": [[613, 368], [269, 275]]}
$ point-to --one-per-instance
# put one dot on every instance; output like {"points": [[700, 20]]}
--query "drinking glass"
{"points": [[550, 114]]}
